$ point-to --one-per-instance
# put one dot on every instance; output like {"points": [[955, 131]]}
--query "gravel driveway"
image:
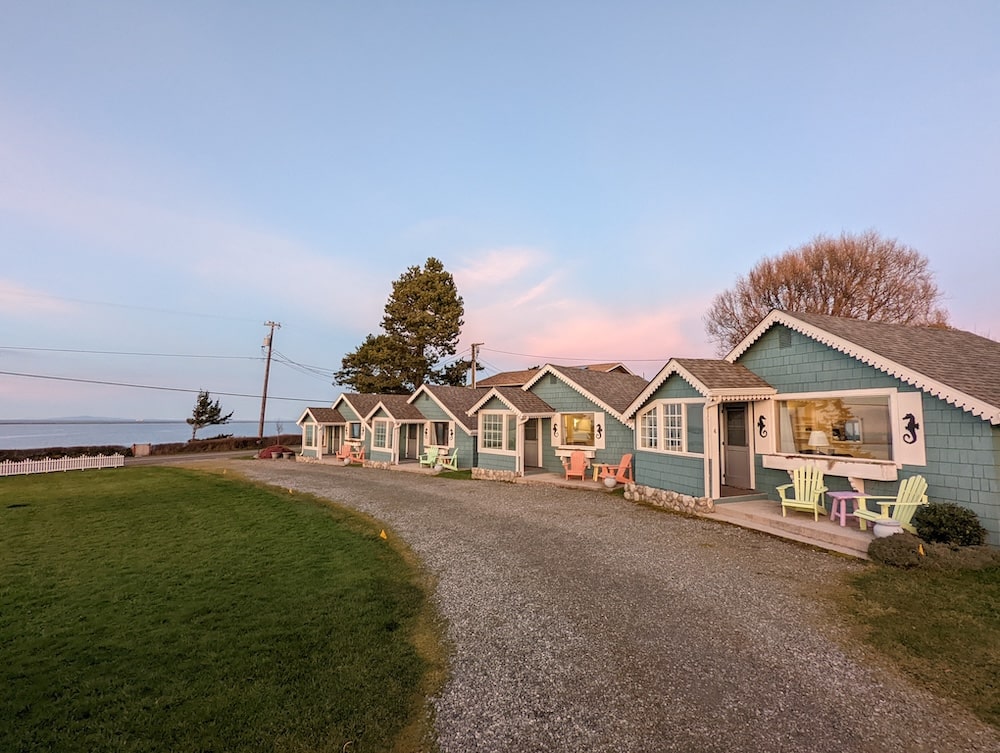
{"points": [[582, 622]]}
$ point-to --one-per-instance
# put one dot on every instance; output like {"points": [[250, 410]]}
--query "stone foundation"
{"points": [[668, 500], [382, 465], [486, 474]]}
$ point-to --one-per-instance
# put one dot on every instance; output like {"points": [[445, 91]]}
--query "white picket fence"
{"points": [[51, 465]]}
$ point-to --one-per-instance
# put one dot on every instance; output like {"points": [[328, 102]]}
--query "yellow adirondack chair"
{"points": [[429, 458], [448, 461], [807, 484], [912, 494]]}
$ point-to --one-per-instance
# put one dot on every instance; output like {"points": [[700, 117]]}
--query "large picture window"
{"points": [[855, 426], [578, 429], [354, 430]]}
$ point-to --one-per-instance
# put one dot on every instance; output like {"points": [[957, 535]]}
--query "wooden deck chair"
{"points": [[358, 455], [344, 453], [429, 458], [577, 465], [622, 473], [448, 461], [912, 494], [807, 485]]}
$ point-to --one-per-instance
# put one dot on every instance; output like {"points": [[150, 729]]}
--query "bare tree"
{"points": [[861, 276]]}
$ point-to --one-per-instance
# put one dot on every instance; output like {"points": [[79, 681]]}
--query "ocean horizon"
{"points": [[30, 434]]}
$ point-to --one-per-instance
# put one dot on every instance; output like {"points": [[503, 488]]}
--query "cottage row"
{"points": [[869, 403]]}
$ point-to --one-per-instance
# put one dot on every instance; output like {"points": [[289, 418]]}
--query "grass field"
{"points": [[942, 628], [162, 609]]}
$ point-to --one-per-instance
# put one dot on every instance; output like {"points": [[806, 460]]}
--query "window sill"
{"points": [[834, 465]]}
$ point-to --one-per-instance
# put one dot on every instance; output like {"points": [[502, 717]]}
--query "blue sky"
{"points": [[173, 175]]}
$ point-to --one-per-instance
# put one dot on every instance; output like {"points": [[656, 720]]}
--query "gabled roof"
{"points": [[612, 391], [455, 401], [520, 378], [361, 403], [322, 416], [397, 407], [507, 378], [515, 398], [959, 367], [715, 379]]}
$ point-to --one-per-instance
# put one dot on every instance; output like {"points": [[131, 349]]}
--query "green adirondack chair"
{"points": [[807, 485], [448, 461], [912, 494], [429, 458]]}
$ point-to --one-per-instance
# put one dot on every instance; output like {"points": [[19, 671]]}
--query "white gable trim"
{"points": [[458, 422], [949, 394], [548, 369]]}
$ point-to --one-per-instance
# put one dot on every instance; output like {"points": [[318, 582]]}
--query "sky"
{"points": [[175, 175]]}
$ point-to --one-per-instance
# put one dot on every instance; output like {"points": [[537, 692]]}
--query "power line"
{"points": [[108, 383]]}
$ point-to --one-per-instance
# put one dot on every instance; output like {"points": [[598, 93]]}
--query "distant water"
{"points": [[28, 435]]}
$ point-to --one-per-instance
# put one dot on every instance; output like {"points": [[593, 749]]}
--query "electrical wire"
{"points": [[556, 359]]}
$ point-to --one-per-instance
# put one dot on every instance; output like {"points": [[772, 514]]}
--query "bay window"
{"points": [[848, 426]]}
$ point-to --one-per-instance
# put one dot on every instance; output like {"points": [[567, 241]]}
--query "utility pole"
{"points": [[475, 352], [268, 342]]}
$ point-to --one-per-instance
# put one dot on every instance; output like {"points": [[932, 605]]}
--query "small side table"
{"points": [[838, 504]]}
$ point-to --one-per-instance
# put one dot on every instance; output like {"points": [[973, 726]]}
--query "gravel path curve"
{"points": [[582, 622]]}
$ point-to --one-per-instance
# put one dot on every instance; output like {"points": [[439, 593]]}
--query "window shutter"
{"points": [[764, 428], [908, 446], [600, 430]]}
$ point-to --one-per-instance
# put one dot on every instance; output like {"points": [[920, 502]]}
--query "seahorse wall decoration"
{"points": [[762, 427], [910, 427]]}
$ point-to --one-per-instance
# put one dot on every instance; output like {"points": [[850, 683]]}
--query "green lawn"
{"points": [[941, 627], [163, 609]]}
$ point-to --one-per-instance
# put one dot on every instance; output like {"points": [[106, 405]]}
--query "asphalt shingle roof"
{"points": [[721, 375], [615, 389], [458, 400], [327, 415]]}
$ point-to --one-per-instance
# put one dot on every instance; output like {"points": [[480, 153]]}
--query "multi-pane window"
{"points": [[648, 430], [381, 437], [673, 427], [310, 438], [499, 431], [493, 431]]}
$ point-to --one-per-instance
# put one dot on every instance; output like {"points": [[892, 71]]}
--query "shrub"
{"points": [[948, 523], [898, 550]]}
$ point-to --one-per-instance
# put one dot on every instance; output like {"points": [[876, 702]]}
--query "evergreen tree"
{"points": [[422, 324], [206, 413]]}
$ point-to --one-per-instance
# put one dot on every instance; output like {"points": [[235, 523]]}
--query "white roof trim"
{"points": [[549, 369], [949, 394], [727, 395]]}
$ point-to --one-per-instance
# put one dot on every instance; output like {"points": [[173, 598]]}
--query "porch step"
{"points": [[765, 516]]}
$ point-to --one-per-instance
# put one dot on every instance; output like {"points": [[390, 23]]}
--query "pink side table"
{"points": [[838, 506]]}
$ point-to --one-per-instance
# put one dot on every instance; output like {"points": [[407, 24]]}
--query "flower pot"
{"points": [[610, 482], [884, 528]]}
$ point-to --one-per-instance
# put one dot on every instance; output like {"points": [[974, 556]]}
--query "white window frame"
{"points": [[597, 418], [508, 429], [648, 437], [666, 443], [429, 438], [382, 425], [361, 431], [309, 438], [900, 404]]}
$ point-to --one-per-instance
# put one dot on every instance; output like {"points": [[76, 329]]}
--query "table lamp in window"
{"points": [[818, 441]]}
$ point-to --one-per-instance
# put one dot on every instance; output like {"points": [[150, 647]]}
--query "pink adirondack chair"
{"points": [[344, 453], [577, 465], [622, 473]]}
